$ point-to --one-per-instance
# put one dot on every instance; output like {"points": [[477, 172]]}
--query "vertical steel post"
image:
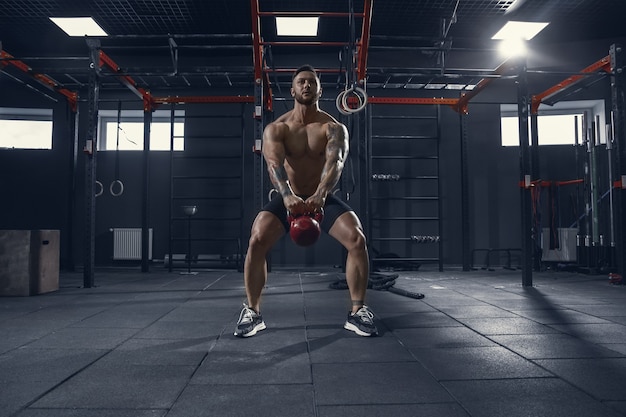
{"points": [[145, 200], [586, 140], [440, 206], [170, 248], [465, 216], [534, 174], [523, 107], [91, 151], [618, 108], [609, 157], [71, 198], [365, 172], [242, 208]]}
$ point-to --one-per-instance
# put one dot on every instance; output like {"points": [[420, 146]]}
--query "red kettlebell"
{"points": [[304, 229]]}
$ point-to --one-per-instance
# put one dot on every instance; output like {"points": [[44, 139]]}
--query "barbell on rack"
{"points": [[385, 177], [425, 239]]}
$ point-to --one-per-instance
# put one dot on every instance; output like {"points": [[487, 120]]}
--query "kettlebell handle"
{"points": [[318, 215]]}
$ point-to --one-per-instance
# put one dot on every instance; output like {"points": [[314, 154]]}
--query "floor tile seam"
{"points": [[64, 380], [139, 329], [617, 355], [189, 380], [569, 358], [462, 324], [575, 334], [251, 384], [514, 378], [491, 340], [572, 383], [553, 377], [610, 347], [182, 302], [565, 380], [33, 341], [434, 402], [517, 314], [119, 409], [607, 318], [314, 393], [31, 311], [429, 372]]}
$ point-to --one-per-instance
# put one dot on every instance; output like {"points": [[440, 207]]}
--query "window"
{"points": [[131, 127], [25, 128], [556, 125]]}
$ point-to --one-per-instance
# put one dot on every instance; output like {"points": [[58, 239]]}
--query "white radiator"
{"points": [[127, 243]]}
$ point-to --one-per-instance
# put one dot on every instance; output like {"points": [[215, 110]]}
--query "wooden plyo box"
{"points": [[29, 262]]}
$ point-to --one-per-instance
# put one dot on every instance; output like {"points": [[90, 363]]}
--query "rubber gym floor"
{"points": [[161, 344]]}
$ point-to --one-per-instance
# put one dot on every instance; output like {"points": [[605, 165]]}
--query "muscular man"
{"points": [[305, 150]]}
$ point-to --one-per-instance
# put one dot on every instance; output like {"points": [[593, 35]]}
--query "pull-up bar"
{"points": [[603, 64], [507, 65]]}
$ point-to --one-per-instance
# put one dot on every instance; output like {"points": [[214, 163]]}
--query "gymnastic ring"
{"points": [[362, 102], [342, 100], [343, 109], [121, 191], [269, 195], [99, 192]]}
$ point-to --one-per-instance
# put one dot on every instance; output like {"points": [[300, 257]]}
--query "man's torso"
{"points": [[305, 151]]}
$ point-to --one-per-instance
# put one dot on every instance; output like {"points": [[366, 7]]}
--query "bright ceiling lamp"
{"points": [[79, 26], [514, 35], [520, 30], [297, 26]]}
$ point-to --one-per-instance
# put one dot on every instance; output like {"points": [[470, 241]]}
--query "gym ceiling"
{"points": [[162, 44]]}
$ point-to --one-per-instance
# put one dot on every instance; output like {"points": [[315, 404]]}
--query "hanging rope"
{"points": [[352, 94], [117, 182]]}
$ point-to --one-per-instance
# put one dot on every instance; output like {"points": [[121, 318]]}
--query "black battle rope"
{"points": [[379, 282]]}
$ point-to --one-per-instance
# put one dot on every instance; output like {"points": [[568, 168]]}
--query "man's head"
{"points": [[305, 85]]}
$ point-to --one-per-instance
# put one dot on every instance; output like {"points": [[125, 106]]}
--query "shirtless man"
{"points": [[305, 150]]}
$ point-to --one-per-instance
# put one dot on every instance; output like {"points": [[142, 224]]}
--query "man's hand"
{"points": [[315, 203], [295, 205]]}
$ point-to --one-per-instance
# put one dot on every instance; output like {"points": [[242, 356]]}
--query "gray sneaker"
{"points": [[249, 323], [361, 322]]}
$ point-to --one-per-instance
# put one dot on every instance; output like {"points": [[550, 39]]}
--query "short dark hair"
{"points": [[305, 67]]}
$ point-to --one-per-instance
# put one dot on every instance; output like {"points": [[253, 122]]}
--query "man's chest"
{"points": [[308, 140]]}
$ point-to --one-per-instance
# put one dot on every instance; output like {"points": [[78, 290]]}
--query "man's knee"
{"points": [[258, 242], [357, 240]]}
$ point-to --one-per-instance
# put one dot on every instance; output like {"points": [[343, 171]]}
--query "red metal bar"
{"points": [[318, 70], [603, 64], [363, 46], [128, 81], [309, 14], [482, 84], [71, 96], [413, 100], [257, 50], [569, 182], [305, 43], [545, 184]]}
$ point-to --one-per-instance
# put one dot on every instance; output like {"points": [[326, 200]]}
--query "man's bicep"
{"points": [[273, 146], [337, 147]]}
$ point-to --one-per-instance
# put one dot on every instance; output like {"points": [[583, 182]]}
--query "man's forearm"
{"points": [[278, 176], [330, 177]]}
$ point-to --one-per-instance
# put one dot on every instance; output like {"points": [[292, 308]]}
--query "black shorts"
{"points": [[333, 208]]}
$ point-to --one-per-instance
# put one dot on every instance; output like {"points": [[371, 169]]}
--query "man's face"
{"points": [[305, 88]]}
